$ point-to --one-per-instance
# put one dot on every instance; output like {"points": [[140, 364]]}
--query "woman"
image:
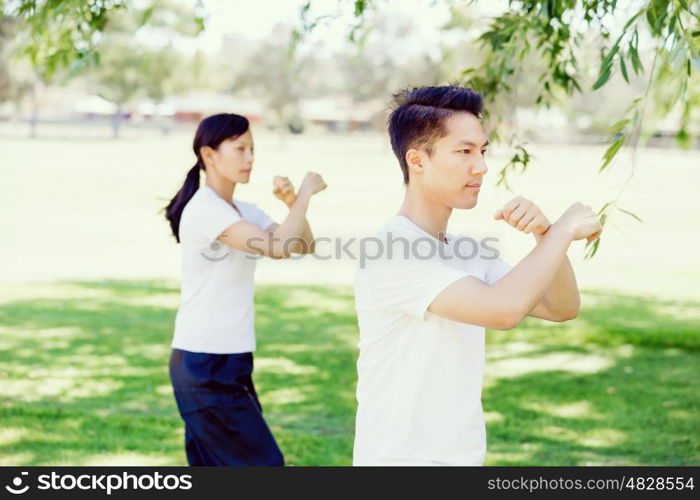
{"points": [[221, 238]]}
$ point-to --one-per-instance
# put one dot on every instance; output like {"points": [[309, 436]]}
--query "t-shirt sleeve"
{"points": [[259, 217], [496, 270], [213, 217], [408, 285]]}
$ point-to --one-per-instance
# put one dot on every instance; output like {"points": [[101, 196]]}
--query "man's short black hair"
{"points": [[419, 115]]}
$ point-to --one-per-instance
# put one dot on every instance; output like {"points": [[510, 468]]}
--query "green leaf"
{"points": [[592, 248], [672, 25], [636, 62], [602, 79], [617, 127], [651, 20], [630, 214], [623, 69], [634, 54], [611, 152], [607, 60], [605, 207], [631, 20]]}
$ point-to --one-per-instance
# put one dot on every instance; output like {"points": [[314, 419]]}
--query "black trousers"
{"points": [[223, 418]]}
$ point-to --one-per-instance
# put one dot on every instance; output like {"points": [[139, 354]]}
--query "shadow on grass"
{"points": [[85, 376], [84, 379], [616, 386]]}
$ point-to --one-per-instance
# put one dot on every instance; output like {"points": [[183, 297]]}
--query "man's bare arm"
{"points": [[561, 300], [505, 303]]}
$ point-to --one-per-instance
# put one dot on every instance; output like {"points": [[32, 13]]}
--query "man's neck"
{"points": [[431, 217]]}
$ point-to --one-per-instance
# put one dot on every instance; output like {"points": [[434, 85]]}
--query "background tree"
{"points": [[651, 44], [381, 62], [120, 77], [59, 34], [15, 76], [275, 75], [61, 38]]}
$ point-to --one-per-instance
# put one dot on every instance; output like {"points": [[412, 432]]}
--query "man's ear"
{"points": [[414, 160]]}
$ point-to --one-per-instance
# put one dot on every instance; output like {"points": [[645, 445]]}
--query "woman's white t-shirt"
{"points": [[216, 313]]}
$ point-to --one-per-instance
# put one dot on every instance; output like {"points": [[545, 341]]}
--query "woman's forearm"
{"points": [[286, 237], [308, 245]]}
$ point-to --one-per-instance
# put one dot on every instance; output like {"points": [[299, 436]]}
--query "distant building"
{"points": [[340, 113], [93, 106], [197, 105]]}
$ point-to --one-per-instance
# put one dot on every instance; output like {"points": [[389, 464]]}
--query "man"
{"points": [[424, 305]]}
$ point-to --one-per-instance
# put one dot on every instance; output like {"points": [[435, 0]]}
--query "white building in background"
{"points": [[93, 106], [64, 104], [340, 113], [197, 105]]}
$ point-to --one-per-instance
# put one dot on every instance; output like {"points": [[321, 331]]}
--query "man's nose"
{"points": [[480, 167]]}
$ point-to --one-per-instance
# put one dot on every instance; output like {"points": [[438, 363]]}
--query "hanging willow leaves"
{"points": [[591, 248], [630, 214], [602, 79], [547, 23], [623, 69], [64, 35], [611, 152]]}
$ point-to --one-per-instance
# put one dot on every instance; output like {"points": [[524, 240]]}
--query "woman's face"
{"points": [[233, 159]]}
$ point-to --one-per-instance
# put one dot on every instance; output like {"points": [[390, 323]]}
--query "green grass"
{"points": [[84, 378]]}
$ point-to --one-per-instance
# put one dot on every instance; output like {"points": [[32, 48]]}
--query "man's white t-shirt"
{"points": [[216, 313], [419, 375]]}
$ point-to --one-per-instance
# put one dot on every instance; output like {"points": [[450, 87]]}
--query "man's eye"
{"points": [[467, 151], [484, 151]]}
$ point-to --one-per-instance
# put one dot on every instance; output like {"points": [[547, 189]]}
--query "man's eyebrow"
{"points": [[470, 143]]}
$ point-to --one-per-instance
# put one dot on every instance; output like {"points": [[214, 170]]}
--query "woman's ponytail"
{"points": [[173, 212]]}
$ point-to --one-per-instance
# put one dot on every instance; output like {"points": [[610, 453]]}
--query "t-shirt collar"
{"points": [[402, 219]]}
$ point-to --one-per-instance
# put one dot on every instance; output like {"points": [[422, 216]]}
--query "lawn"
{"points": [[84, 378], [89, 289]]}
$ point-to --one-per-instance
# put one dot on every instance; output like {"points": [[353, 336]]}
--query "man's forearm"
{"points": [[562, 296], [523, 287]]}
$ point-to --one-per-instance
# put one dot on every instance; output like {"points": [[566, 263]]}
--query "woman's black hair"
{"points": [[211, 132]]}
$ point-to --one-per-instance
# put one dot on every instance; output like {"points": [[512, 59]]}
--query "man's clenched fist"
{"points": [[523, 215]]}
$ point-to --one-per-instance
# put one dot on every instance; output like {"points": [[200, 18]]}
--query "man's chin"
{"points": [[465, 204]]}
